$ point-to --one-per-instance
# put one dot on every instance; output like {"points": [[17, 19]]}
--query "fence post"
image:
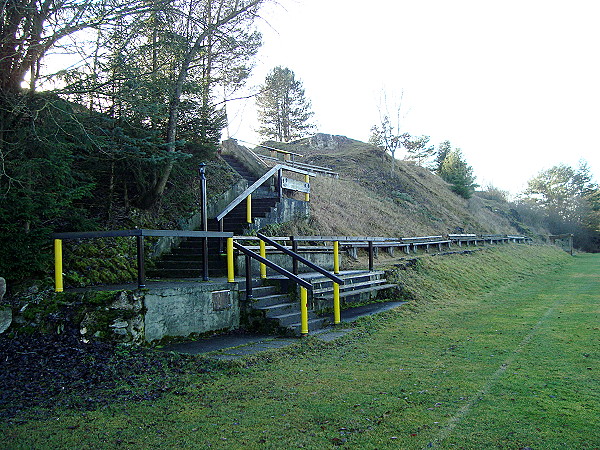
{"points": [[263, 253], [336, 304], [58, 266], [140, 262], [303, 311], [371, 264], [571, 244], [248, 278], [294, 260], [307, 195], [230, 271], [336, 257], [249, 208]]}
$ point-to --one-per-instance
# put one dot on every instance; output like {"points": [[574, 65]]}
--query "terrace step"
{"points": [[356, 292]]}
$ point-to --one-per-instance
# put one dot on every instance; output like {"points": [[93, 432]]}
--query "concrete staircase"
{"points": [[272, 309], [240, 168], [185, 260]]}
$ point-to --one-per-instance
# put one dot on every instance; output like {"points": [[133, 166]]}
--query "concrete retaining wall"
{"points": [[289, 209], [197, 308]]}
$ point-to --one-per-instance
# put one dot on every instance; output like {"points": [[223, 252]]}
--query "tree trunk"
{"points": [[175, 103]]}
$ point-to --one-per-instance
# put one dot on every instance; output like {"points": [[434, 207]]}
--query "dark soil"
{"points": [[39, 373]]}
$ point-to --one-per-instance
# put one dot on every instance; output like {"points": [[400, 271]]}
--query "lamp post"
{"points": [[204, 218]]}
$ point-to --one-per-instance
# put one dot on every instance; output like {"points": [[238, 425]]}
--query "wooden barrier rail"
{"points": [[351, 244]]}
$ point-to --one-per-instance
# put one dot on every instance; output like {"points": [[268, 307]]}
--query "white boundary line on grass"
{"points": [[462, 412]]}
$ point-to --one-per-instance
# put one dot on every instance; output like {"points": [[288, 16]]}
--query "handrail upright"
{"points": [[301, 259], [337, 281], [272, 265]]}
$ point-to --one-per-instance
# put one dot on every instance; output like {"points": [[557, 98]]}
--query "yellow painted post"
{"points": [[58, 266], [307, 195], [303, 311], [249, 208], [230, 271], [336, 257], [336, 304], [263, 253]]}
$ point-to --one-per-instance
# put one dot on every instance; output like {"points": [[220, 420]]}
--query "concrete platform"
{"points": [[237, 345]]}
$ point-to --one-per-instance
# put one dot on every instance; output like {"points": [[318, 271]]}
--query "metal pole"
{"points": [[295, 250], [263, 253], [371, 265], [204, 221], [58, 266], [248, 278], [280, 184], [307, 181], [336, 304], [249, 208], [230, 271], [140, 262], [336, 257], [221, 239], [303, 311]]}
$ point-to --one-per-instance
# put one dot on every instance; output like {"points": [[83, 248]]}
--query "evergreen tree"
{"points": [[42, 187], [283, 110], [417, 148], [458, 173], [442, 151]]}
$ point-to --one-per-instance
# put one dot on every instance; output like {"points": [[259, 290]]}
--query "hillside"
{"points": [[368, 200]]}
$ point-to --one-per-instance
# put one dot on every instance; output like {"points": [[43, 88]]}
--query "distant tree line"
{"points": [[447, 162], [565, 200]]}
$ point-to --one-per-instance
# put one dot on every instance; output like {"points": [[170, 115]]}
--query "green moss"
{"points": [[99, 297], [100, 261]]}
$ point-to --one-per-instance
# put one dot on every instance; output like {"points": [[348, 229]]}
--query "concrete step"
{"points": [[357, 292], [183, 273], [288, 319], [280, 309], [184, 264], [191, 255], [314, 324], [267, 299]]}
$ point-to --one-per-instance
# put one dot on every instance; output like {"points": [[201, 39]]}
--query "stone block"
{"points": [[5, 318]]}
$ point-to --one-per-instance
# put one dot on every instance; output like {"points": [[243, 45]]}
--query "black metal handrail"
{"points": [[254, 186], [139, 234], [301, 259], [250, 254]]}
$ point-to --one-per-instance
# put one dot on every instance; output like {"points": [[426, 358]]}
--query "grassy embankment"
{"points": [[367, 200], [498, 348]]}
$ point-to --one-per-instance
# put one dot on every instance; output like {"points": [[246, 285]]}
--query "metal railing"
{"points": [[139, 234], [305, 286], [247, 194]]}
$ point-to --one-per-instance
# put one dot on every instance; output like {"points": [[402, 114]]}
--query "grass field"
{"points": [[496, 349]]}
